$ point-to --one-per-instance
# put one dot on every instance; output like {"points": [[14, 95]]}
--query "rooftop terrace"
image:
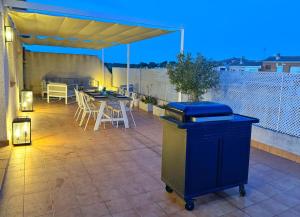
{"points": [[114, 172]]}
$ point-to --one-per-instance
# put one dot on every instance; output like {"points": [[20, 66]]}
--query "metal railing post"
{"points": [[280, 102]]}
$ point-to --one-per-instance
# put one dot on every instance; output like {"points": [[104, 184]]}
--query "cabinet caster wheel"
{"points": [[189, 205], [168, 189], [242, 190]]}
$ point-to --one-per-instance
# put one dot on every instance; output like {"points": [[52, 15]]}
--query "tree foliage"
{"points": [[193, 77]]}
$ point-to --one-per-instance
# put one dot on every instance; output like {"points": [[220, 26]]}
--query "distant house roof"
{"points": [[283, 59], [241, 62]]}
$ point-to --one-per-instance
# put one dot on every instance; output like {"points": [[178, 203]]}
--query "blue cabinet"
{"points": [[200, 158]]}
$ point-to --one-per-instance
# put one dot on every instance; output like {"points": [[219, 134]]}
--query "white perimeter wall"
{"points": [[153, 82], [15, 71], [39, 64], [10, 79]]}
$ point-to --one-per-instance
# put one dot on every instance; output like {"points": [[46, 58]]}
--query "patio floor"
{"points": [[68, 172]]}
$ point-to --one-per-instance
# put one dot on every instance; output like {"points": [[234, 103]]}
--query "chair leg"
{"points": [[132, 118], [76, 111], [111, 117], [117, 120], [82, 118], [121, 116], [78, 115], [103, 121], [87, 121]]}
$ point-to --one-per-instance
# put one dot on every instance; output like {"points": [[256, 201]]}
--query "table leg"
{"points": [[124, 115], [100, 115]]}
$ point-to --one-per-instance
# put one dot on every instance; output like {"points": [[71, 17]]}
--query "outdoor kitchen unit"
{"points": [[206, 149]]}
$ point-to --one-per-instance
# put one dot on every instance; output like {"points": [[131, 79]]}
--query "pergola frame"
{"points": [[13, 4]]}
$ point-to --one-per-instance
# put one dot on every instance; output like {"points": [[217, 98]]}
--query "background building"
{"points": [[239, 65], [280, 63]]}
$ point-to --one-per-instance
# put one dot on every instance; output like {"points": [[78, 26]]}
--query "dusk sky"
{"points": [[216, 28]]}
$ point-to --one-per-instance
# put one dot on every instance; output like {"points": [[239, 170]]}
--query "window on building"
{"points": [[268, 67], [279, 69], [295, 69]]}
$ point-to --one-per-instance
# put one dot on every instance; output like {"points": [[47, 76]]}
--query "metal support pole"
{"points": [[181, 41], [280, 102], [103, 67], [128, 65], [181, 51]]}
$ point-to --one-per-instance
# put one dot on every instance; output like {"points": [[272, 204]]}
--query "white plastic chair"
{"points": [[88, 109], [128, 108], [43, 89], [79, 105]]}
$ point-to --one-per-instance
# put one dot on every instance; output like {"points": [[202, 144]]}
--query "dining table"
{"points": [[104, 98]]}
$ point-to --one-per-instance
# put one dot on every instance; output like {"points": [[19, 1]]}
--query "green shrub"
{"points": [[149, 100]]}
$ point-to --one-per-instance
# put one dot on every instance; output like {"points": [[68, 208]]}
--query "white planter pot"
{"points": [[136, 103], [158, 111], [146, 107]]}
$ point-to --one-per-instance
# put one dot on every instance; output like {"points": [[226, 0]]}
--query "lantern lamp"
{"points": [[21, 131], [26, 101], [9, 34]]}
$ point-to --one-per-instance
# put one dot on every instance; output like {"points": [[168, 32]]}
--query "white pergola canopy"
{"points": [[56, 26], [42, 29]]}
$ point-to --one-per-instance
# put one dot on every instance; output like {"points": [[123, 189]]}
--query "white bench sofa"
{"points": [[61, 91]]}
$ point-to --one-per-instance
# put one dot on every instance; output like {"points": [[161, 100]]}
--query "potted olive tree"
{"points": [[193, 77]]}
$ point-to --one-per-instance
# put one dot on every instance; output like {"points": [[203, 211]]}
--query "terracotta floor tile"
{"points": [[38, 204], [118, 205], [287, 199], [267, 189], [127, 213], [183, 213], [68, 212], [12, 205], [94, 210], [266, 208], [88, 198], [170, 206], [289, 213], [217, 207], [237, 213], [150, 210]]}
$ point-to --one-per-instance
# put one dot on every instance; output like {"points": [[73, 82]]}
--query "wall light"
{"points": [[21, 131], [9, 34], [26, 101]]}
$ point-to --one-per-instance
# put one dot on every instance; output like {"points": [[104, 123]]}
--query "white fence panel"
{"points": [[274, 98]]}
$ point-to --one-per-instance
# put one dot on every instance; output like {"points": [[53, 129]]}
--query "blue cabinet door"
{"points": [[234, 158], [201, 164]]}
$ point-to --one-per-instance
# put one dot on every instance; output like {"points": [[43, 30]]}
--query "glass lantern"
{"points": [[21, 131], [26, 101]]}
